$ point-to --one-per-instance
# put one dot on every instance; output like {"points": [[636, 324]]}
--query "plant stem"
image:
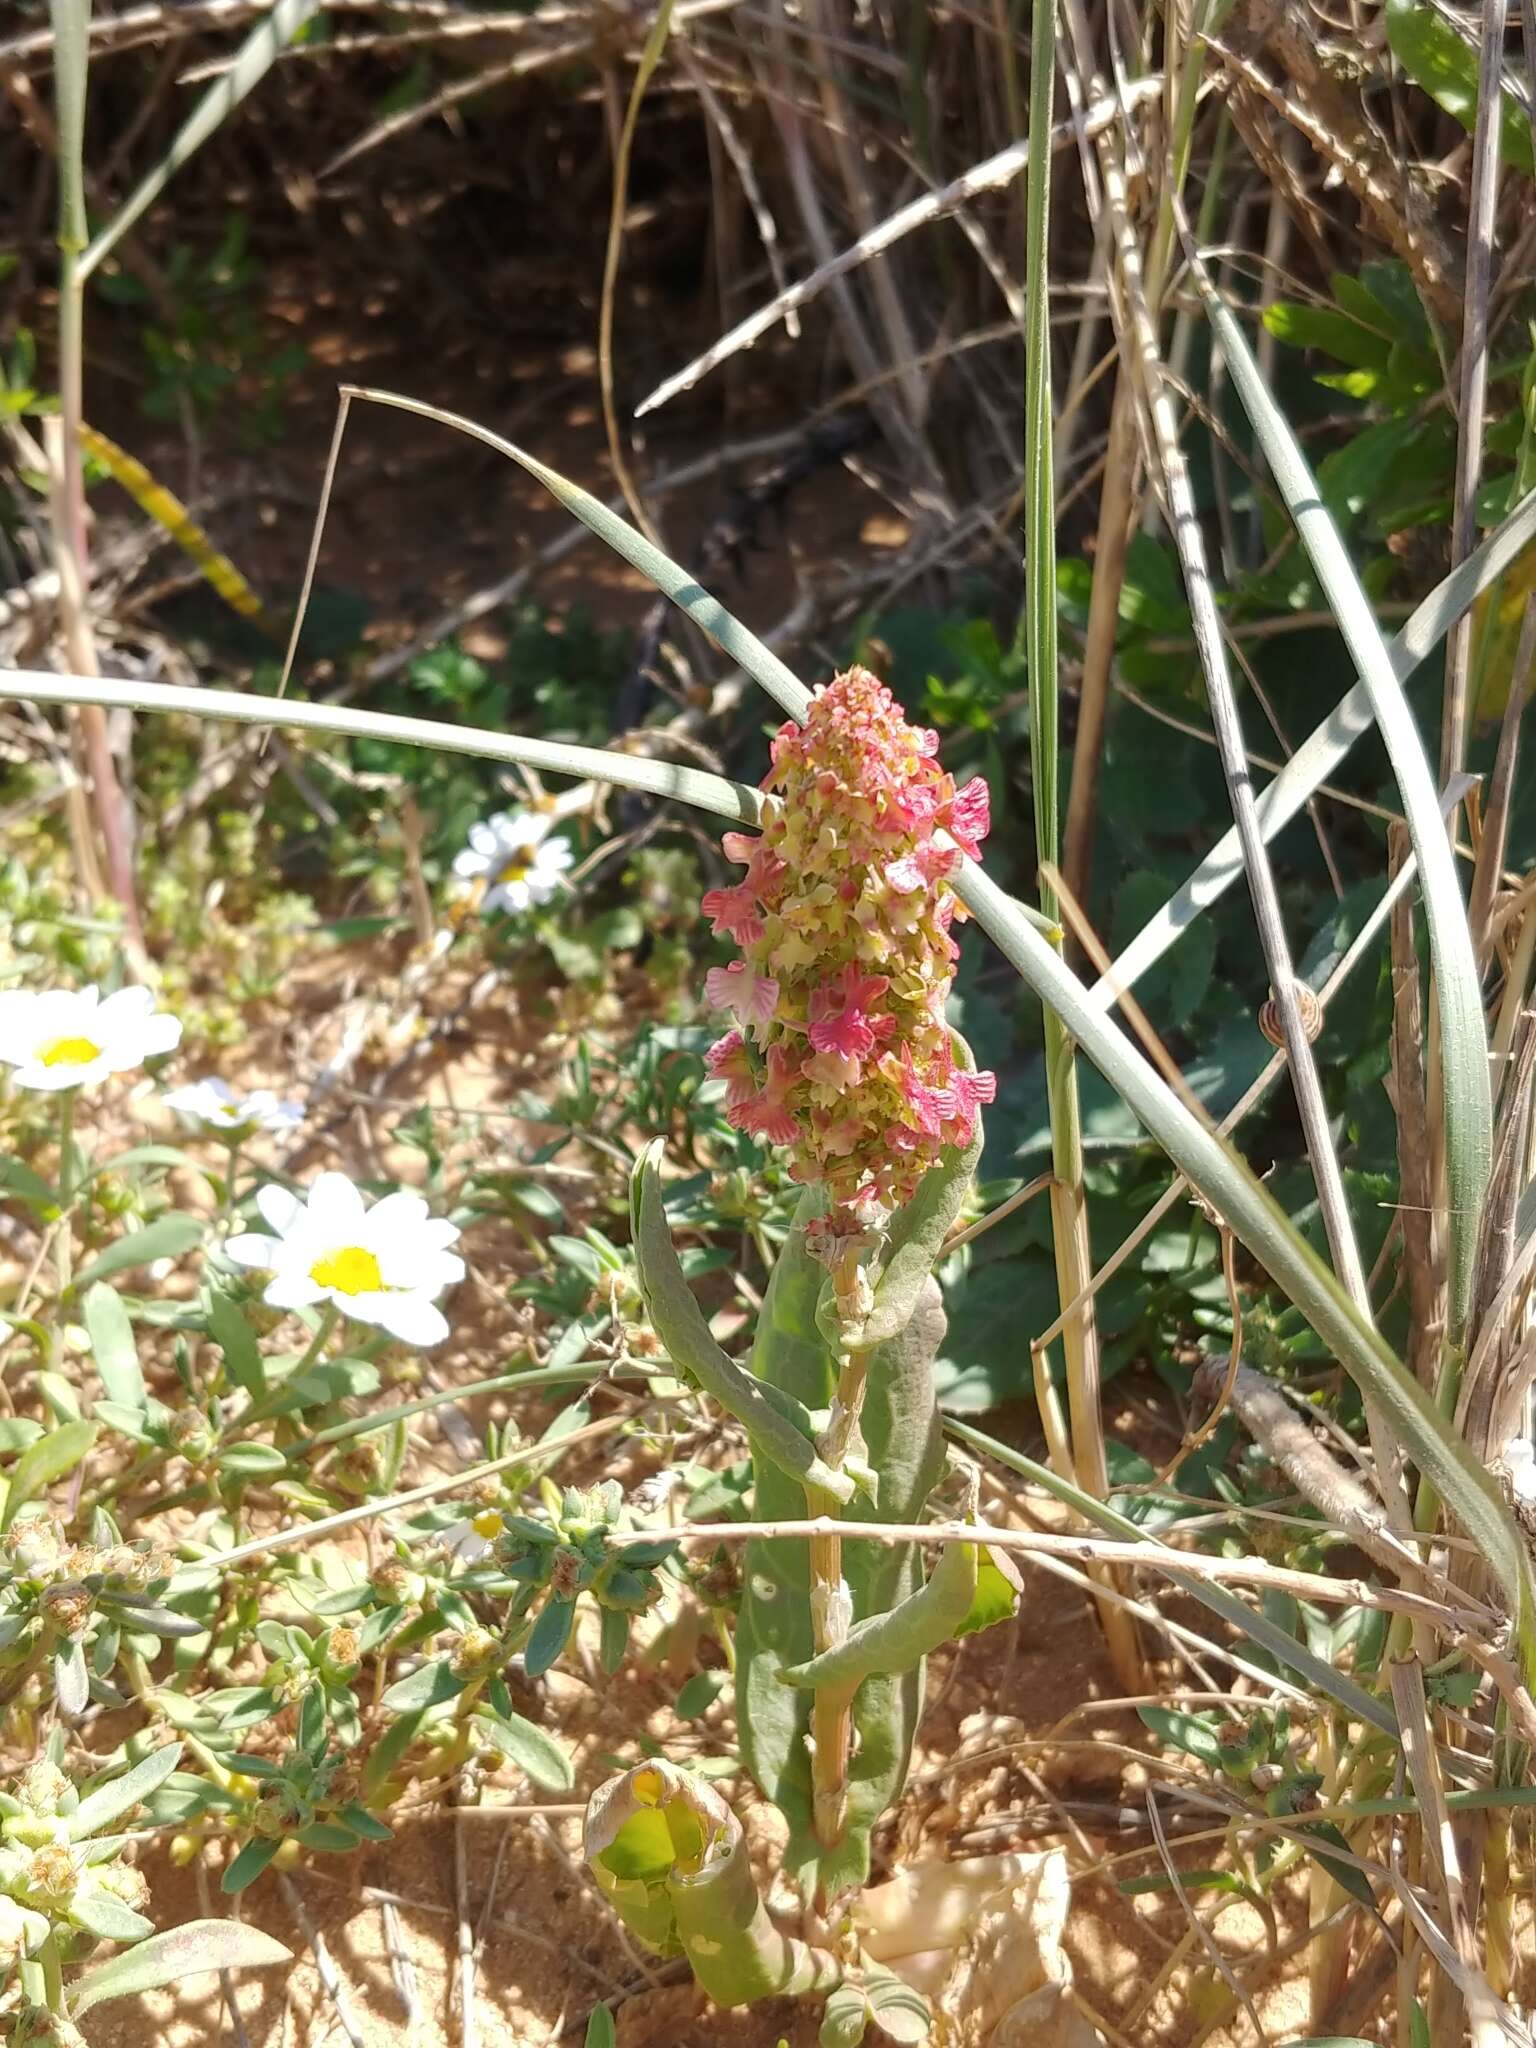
{"points": [[64, 1242], [832, 1610]]}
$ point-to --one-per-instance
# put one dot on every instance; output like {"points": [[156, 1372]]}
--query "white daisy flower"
{"points": [[516, 859], [73, 1038], [216, 1106], [385, 1265], [469, 1541]]}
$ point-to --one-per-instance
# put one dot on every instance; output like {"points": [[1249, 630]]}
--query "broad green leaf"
{"points": [[237, 1340], [1324, 327], [537, 1754], [600, 2032], [1183, 1731], [20, 1180], [248, 1865], [1435, 57], [327, 1838], [250, 1460], [181, 1952], [166, 1238], [428, 1686], [114, 1346], [41, 1463], [551, 1633]]}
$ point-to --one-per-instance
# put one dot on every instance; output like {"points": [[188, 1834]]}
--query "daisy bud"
{"points": [[841, 1051]]}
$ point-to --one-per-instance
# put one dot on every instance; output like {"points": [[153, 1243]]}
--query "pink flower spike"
{"points": [[761, 1119], [766, 1114], [734, 911], [750, 997], [739, 846], [839, 1019], [729, 1060], [971, 1090], [969, 816], [904, 875]]}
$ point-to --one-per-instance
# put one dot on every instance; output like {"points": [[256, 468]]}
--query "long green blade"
{"points": [[706, 792], [1226, 1181], [1467, 1100], [1319, 755]]}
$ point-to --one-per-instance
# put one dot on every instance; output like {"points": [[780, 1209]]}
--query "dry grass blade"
{"points": [[996, 171]]}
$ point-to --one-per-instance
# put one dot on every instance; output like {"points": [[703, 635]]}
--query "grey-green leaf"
{"points": [[114, 1346], [194, 1950], [680, 1324], [166, 1238], [107, 1802], [533, 1749], [40, 1464]]}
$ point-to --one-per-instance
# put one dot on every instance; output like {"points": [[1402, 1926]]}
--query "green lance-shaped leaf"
{"points": [[679, 1322], [669, 1856], [885, 1645], [905, 1446]]}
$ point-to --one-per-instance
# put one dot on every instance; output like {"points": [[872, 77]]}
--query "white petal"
{"points": [[251, 1248], [402, 1213], [470, 864], [125, 1010], [159, 1034], [334, 1204], [411, 1318], [52, 1080], [485, 837], [555, 855], [293, 1288], [437, 1233], [279, 1207]]}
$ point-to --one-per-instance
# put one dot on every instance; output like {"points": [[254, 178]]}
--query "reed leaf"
{"points": [[1467, 1100]]}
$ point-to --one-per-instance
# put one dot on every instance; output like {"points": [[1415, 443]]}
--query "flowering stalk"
{"points": [[842, 1053]]}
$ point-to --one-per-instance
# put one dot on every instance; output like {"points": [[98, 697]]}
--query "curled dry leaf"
{"points": [[982, 1937]]}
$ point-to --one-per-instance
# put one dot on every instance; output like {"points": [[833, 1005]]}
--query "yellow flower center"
{"points": [[487, 1524], [70, 1052], [517, 868], [352, 1270]]}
